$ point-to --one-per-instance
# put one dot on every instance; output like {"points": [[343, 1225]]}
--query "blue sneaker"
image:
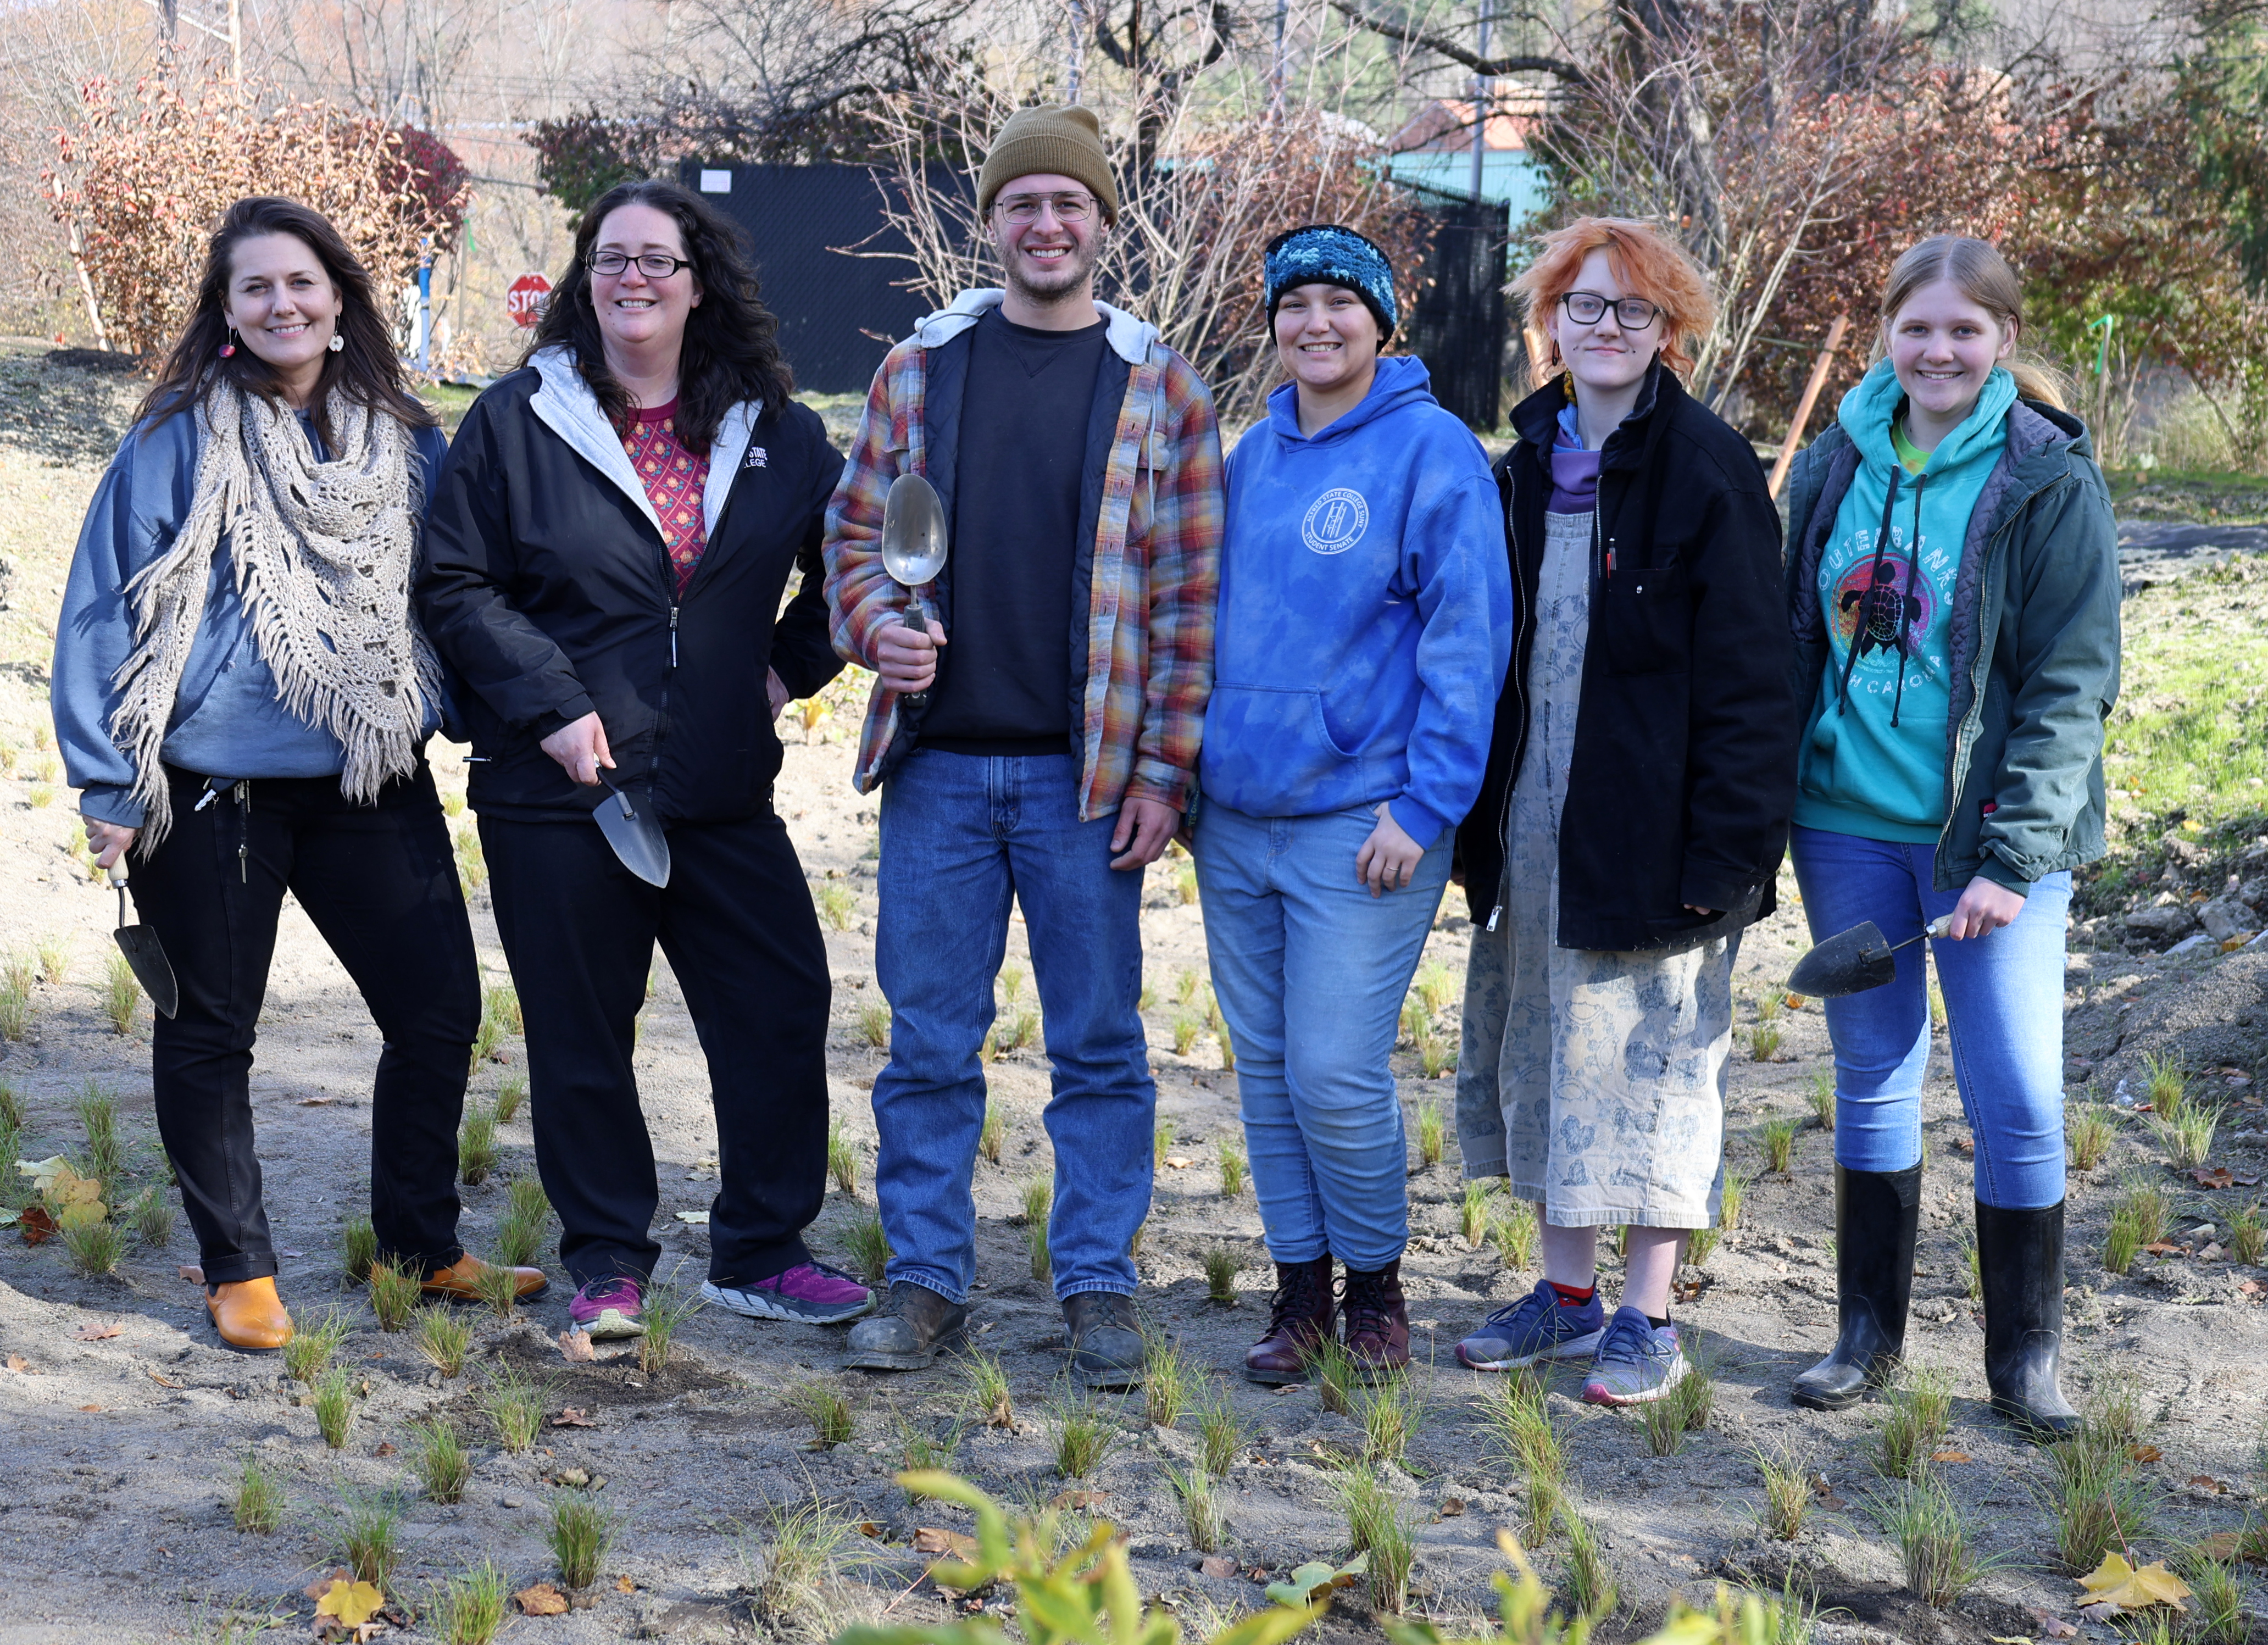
{"points": [[1539, 1326], [1637, 1361]]}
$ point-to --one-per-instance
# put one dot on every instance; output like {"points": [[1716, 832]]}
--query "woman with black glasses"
{"points": [[608, 550]]}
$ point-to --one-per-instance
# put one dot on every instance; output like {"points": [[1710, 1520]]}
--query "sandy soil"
{"points": [[122, 1452]]}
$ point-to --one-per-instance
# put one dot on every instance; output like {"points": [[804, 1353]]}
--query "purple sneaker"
{"points": [[608, 1308], [809, 1293]]}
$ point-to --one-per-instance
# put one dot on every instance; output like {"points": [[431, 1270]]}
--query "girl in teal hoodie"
{"points": [[1953, 589], [1366, 613]]}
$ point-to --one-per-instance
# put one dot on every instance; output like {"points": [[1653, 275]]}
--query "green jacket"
{"points": [[2034, 646]]}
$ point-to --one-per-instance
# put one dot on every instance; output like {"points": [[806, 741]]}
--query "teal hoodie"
{"points": [[1872, 760]]}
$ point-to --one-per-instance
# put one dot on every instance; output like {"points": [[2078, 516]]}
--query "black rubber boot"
{"points": [[1875, 1212], [2020, 1254], [907, 1332]]}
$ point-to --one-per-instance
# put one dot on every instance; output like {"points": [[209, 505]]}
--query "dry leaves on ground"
{"points": [[575, 1347], [573, 1417], [930, 1539], [94, 1331], [542, 1600], [2121, 1587]]}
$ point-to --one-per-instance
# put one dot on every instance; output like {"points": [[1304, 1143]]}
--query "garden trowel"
{"points": [[146, 955], [1851, 962], [635, 835], [913, 547]]}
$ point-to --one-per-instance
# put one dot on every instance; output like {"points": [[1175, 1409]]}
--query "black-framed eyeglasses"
{"points": [[1022, 209], [653, 264], [1631, 313]]}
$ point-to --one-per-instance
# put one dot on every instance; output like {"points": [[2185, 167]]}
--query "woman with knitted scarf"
{"points": [[243, 696]]}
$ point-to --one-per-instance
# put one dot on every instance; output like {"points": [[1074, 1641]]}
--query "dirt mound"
{"points": [[2212, 1018]]}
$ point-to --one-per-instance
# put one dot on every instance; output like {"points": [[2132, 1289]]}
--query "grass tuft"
{"points": [[2188, 1137], [1517, 1416], [1591, 1587], [1764, 1042], [580, 1533], [477, 1151], [394, 1293], [1932, 1540], [520, 1233], [1201, 1515], [1433, 1133], [1822, 1097], [95, 1249], [369, 1535], [1473, 1213], [800, 1554], [842, 1160], [829, 1412], [1221, 1433], [334, 1401], [510, 1095], [308, 1355], [1335, 1377], [668, 1306], [1777, 1141], [470, 1608], [987, 1392], [1919, 1417], [440, 1460], [121, 994], [357, 1249], [1517, 1234], [1390, 1414], [259, 1504], [867, 1246], [995, 1133], [1083, 1435], [1788, 1495], [1232, 1168], [1685, 1409], [498, 1287], [1167, 1377], [2247, 1237], [514, 1404], [1221, 1267], [2089, 1131], [838, 906], [152, 1216], [442, 1338]]}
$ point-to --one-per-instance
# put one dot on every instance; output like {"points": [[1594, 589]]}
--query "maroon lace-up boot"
{"points": [[1377, 1322], [1300, 1317]]}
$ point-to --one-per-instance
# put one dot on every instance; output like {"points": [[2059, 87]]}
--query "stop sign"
{"points": [[523, 299]]}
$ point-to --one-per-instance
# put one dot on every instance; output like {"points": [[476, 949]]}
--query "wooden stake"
{"points": [[1810, 398]]}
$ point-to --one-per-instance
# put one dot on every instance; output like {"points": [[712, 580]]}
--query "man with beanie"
{"points": [[1035, 738]]}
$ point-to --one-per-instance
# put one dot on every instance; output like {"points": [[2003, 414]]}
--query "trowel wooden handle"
{"points": [[1936, 928]]}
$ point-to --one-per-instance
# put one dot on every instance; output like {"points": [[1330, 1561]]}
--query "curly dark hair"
{"points": [[365, 371], [731, 351]]}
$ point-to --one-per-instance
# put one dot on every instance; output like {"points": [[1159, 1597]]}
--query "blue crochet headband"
{"points": [[1325, 253]]}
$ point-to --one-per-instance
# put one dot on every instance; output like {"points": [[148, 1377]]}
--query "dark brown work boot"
{"points": [[1301, 1317], [1377, 1322]]}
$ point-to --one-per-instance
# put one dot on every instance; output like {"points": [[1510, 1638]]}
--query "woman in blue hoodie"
{"points": [[1953, 589], [1365, 622]]}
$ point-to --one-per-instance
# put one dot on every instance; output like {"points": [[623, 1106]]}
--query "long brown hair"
{"points": [[365, 371], [731, 353], [1983, 277]]}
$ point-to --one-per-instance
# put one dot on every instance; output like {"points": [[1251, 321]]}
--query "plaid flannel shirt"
{"points": [[1155, 580]]}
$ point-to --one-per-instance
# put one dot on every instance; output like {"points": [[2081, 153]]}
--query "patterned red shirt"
{"points": [[675, 479]]}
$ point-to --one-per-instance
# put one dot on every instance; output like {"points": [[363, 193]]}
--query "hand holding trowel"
{"points": [[913, 548], [1851, 962]]}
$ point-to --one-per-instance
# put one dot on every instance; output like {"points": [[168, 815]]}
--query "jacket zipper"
{"points": [[1519, 751]]}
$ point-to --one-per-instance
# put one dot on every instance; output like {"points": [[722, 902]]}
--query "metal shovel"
{"points": [[146, 955], [913, 547], [635, 835], [1851, 962]]}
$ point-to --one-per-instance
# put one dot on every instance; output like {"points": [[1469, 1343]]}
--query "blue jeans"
{"points": [[2003, 1014], [1311, 971], [962, 835]]}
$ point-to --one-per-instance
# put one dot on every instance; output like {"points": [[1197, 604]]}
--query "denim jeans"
{"points": [[2003, 1014], [1311, 971], [962, 835]]}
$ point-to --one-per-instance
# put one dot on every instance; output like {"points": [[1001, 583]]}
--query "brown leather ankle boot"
{"points": [[1300, 1317], [248, 1315], [1377, 1322]]}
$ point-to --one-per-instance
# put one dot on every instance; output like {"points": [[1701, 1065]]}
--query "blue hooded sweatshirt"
{"points": [[1873, 761], [1365, 613]]}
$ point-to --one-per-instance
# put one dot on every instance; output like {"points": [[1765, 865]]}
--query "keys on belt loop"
{"points": [[242, 795]]}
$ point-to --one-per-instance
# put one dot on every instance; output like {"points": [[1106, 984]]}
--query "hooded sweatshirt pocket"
{"points": [[1269, 751]]}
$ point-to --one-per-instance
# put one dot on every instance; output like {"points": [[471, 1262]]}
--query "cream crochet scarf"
{"points": [[323, 554]]}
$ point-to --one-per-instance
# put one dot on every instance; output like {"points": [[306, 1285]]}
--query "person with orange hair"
{"points": [[1634, 809]]}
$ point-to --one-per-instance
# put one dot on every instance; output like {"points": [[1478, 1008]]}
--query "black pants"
{"points": [[381, 884], [737, 923]]}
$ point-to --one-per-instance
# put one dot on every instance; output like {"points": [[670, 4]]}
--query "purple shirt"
{"points": [[1574, 471]]}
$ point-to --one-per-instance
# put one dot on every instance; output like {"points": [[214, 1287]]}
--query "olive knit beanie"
{"points": [[1063, 140]]}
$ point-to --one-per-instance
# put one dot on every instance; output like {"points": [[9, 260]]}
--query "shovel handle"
{"points": [[920, 624], [1936, 928]]}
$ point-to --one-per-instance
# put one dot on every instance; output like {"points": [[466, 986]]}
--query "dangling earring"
{"points": [[228, 349], [1567, 385], [335, 343]]}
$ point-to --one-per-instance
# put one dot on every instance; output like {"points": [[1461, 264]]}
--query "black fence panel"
{"points": [[1458, 323], [838, 313]]}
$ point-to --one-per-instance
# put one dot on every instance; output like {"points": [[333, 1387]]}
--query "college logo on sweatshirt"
{"points": [[1336, 521]]}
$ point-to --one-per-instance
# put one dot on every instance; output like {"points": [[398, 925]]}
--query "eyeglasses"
{"points": [[1632, 313], [652, 264], [1022, 209]]}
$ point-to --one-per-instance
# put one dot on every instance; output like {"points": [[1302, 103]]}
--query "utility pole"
{"points": [[1484, 94], [1078, 58]]}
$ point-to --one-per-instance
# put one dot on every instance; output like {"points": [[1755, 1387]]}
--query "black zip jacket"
{"points": [[1684, 766], [547, 590]]}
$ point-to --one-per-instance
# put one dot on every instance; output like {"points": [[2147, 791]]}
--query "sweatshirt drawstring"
{"points": [[1913, 573]]}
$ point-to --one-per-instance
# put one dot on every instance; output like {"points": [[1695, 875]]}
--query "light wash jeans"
{"points": [[962, 834], [1311, 971], [2003, 1016]]}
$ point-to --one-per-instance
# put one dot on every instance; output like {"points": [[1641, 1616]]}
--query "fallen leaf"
{"points": [[542, 1600], [2207, 1482], [2115, 1582], [2054, 1626], [194, 1274], [317, 1101], [19, 1364], [1315, 1580], [1796, 1002], [90, 1408], [162, 1380], [1950, 1456], [321, 1585], [2145, 1453], [93, 1333], [2250, 1288], [2012, 1639], [870, 1528], [623, 1585], [1217, 1565], [2165, 1248], [1965, 1145], [699, 1219], [1078, 1499], [2222, 1545], [575, 1346], [572, 1417], [2213, 1177], [1831, 1502], [1289, 1388], [1176, 1162], [36, 1226], [384, 1449], [930, 1539], [1452, 1507], [352, 1604]]}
